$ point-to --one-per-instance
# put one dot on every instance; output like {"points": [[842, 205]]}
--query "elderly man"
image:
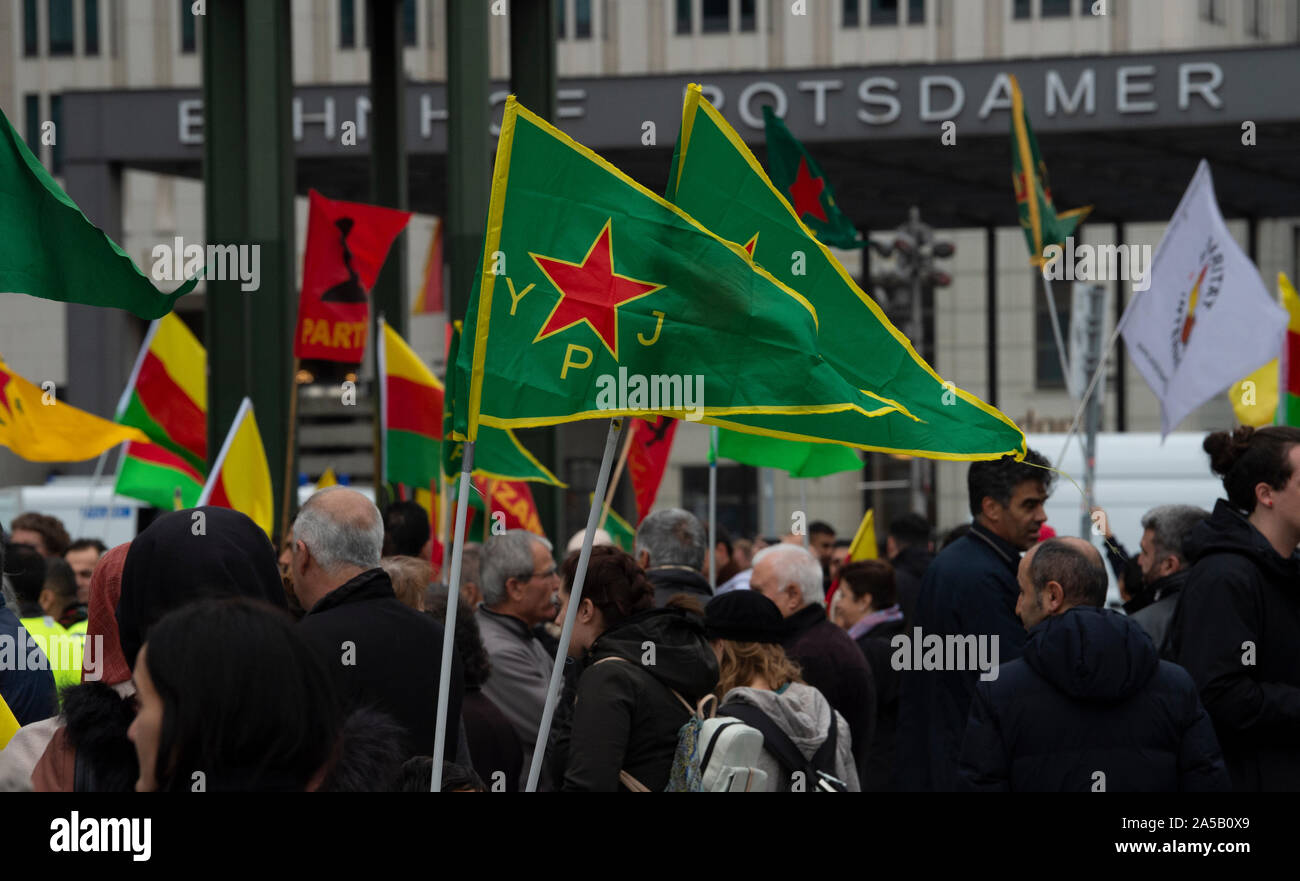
{"points": [[670, 547], [1088, 707], [831, 662], [383, 653], [519, 583]]}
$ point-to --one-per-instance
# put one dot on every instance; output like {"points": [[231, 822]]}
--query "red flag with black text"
{"points": [[652, 440], [347, 243]]}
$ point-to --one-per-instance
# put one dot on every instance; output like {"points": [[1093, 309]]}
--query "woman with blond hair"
{"points": [[806, 743]]}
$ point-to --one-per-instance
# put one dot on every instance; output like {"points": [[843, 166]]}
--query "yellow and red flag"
{"points": [[410, 406], [429, 301], [240, 477], [40, 428], [863, 546], [166, 396]]}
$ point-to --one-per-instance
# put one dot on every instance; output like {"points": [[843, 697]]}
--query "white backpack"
{"points": [[714, 753]]}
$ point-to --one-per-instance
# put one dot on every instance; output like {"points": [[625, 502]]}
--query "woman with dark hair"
{"points": [[868, 607], [1237, 625], [232, 699], [645, 670]]}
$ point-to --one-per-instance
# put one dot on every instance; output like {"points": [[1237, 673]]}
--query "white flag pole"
{"points": [[449, 628], [713, 506], [575, 598], [90, 496]]}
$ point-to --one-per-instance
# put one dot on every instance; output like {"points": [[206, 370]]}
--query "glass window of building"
{"points": [[1021, 9], [187, 27], [1056, 8], [883, 12], [91, 24], [56, 117], [31, 34], [717, 16], [409, 32], [1047, 367], [849, 17], [61, 28], [748, 16], [916, 11], [347, 24], [32, 122], [582, 19], [684, 25]]}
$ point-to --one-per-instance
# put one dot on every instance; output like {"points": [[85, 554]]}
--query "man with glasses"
{"points": [[519, 583]]}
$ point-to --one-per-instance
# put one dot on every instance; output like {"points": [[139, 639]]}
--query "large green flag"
{"points": [[48, 248], [718, 181], [1038, 217], [798, 458], [598, 298], [498, 454], [799, 178]]}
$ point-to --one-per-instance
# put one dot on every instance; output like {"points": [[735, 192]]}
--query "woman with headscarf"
{"points": [[181, 557]]}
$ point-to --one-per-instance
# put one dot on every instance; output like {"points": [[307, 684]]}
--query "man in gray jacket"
{"points": [[519, 584], [1164, 566]]}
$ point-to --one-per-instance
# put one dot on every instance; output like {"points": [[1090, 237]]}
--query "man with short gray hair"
{"points": [[1164, 565], [381, 652], [519, 581], [670, 546], [830, 660]]}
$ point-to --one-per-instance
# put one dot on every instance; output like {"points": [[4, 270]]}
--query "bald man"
{"points": [[1089, 706], [383, 654]]}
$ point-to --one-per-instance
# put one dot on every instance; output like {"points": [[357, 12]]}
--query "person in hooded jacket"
{"points": [[745, 629], [645, 672], [1237, 626], [1088, 706], [1164, 566]]}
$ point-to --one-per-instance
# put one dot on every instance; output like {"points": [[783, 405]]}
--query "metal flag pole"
{"points": [[1061, 354], [449, 628], [90, 496], [713, 506], [575, 598]]}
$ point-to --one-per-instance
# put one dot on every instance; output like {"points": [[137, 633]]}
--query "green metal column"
{"points": [[388, 180], [468, 145], [248, 174], [387, 175], [533, 81]]}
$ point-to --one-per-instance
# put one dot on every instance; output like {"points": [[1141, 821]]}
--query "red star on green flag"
{"points": [[590, 291], [806, 192]]}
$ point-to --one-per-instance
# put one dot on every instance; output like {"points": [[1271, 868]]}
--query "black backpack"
{"points": [[817, 771]]}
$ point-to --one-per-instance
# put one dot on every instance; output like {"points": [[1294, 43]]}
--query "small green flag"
{"points": [[798, 458], [799, 178], [498, 454], [1038, 217], [48, 248], [599, 299], [620, 531], [909, 408]]}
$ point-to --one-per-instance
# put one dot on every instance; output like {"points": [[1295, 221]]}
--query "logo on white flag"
{"points": [[1199, 300]]}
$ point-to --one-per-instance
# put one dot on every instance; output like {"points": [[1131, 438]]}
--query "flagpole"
{"points": [[575, 598], [613, 481], [290, 446], [94, 485], [713, 506], [449, 627], [1065, 361]]}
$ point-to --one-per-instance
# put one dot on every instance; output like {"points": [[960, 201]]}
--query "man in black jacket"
{"points": [[1089, 707], [670, 547], [910, 550], [968, 591], [830, 660], [1164, 565], [382, 652]]}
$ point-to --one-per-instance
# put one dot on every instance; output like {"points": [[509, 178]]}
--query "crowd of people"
{"points": [[211, 659]]}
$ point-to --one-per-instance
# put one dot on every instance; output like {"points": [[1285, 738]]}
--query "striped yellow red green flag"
{"points": [[1042, 223], [863, 546], [410, 406], [240, 477], [39, 427], [167, 394], [1289, 377], [154, 474]]}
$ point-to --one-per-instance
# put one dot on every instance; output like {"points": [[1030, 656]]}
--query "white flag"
{"points": [[1207, 319]]}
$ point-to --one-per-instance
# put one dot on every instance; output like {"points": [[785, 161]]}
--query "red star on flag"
{"points": [[806, 191], [590, 291], [750, 245]]}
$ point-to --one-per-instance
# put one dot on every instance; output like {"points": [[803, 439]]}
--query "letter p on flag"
{"points": [[347, 243]]}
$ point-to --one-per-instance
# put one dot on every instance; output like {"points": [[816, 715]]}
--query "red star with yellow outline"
{"points": [[590, 291], [806, 192]]}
